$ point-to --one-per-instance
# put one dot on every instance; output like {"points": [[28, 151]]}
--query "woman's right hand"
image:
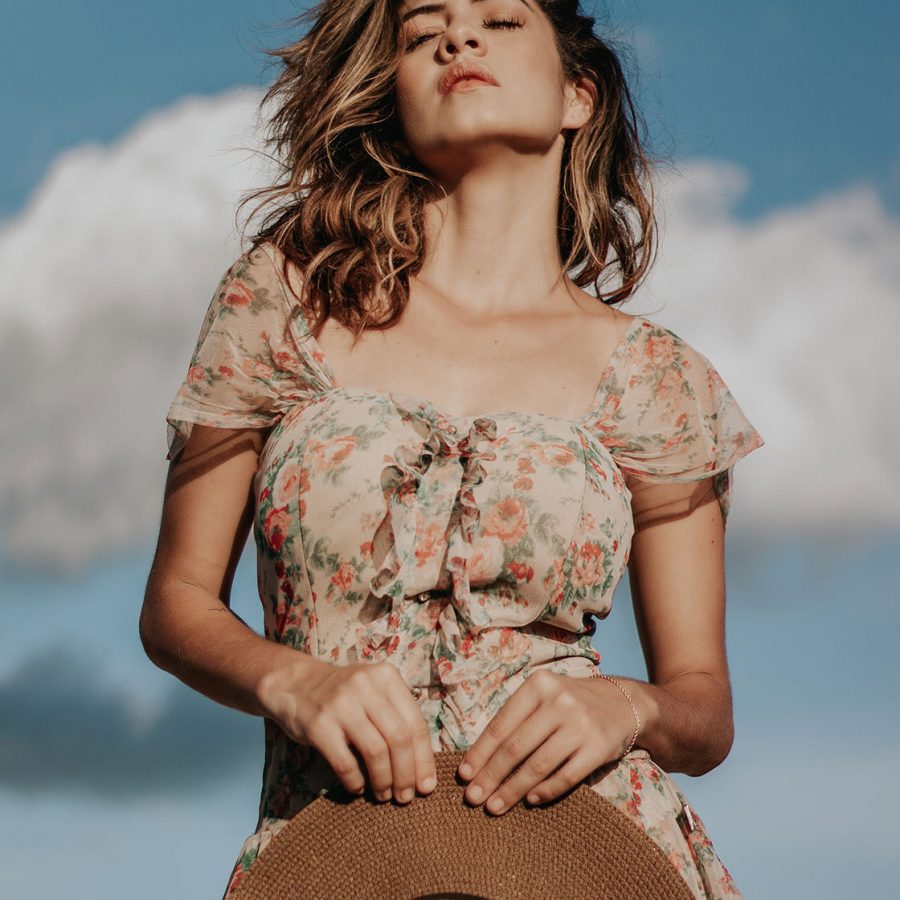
{"points": [[367, 707]]}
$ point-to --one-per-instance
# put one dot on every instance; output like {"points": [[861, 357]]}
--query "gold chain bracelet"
{"points": [[637, 719]]}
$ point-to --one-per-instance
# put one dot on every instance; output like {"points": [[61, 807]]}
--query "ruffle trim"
{"points": [[430, 502]]}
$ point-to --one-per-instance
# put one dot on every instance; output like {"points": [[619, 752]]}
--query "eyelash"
{"points": [[488, 23]]}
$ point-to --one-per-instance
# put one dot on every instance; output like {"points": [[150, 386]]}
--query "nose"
{"points": [[458, 34]]}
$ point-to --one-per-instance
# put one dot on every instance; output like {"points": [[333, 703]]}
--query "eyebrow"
{"points": [[436, 7]]}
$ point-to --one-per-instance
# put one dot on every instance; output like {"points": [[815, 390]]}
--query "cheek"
{"points": [[545, 70], [407, 96], [536, 101]]}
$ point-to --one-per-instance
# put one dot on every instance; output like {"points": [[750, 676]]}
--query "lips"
{"points": [[467, 80], [467, 70]]}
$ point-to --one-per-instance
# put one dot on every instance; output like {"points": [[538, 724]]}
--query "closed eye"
{"points": [[488, 23]]}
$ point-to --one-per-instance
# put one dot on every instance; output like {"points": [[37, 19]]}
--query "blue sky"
{"points": [[118, 171], [798, 92]]}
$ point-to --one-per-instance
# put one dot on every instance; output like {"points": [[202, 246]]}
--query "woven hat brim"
{"points": [[351, 846]]}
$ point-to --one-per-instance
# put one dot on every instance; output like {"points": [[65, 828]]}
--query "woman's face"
{"points": [[476, 122]]}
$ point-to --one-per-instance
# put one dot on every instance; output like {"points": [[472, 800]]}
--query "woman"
{"points": [[448, 451]]}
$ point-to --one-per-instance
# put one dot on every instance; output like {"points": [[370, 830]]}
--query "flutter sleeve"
{"points": [[675, 429], [247, 368]]}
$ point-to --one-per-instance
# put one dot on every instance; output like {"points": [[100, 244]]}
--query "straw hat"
{"points": [[344, 845]]}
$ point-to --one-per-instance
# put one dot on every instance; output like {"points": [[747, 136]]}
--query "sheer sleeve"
{"points": [[663, 501], [247, 368], [674, 429]]}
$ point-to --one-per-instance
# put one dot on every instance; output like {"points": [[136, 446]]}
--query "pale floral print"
{"points": [[467, 551]]}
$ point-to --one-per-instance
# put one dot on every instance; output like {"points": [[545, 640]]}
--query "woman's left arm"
{"points": [[677, 577], [554, 730]]}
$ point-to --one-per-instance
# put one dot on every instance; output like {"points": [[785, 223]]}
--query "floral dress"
{"points": [[468, 551]]}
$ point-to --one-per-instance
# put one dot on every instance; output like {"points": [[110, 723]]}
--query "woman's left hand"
{"points": [[551, 719]]}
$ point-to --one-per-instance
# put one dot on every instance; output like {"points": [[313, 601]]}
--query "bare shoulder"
{"points": [[597, 314]]}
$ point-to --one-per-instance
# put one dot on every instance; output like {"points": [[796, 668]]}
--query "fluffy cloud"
{"points": [[107, 274], [110, 267], [799, 311]]}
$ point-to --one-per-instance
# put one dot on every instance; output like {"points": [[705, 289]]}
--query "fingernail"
{"points": [[383, 795], [495, 804], [532, 798], [474, 793], [465, 770], [430, 783], [406, 795]]}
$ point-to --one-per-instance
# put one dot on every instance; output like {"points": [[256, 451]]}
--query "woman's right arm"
{"points": [[187, 626], [188, 629]]}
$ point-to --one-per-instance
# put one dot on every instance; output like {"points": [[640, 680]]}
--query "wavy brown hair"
{"points": [[349, 204]]}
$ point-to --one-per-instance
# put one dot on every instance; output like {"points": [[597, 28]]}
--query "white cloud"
{"points": [[107, 274], [800, 313], [108, 271]]}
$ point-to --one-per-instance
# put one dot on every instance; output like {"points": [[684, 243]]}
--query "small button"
{"points": [[417, 692]]}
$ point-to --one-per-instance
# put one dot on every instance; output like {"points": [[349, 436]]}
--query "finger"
{"points": [[522, 704], [352, 707], [515, 750], [423, 775], [569, 775], [331, 741], [536, 770], [423, 753], [411, 776], [399, 768], [368, 739]]}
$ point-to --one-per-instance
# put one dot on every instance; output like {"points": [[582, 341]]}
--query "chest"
{"points": [[549, 366]]}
